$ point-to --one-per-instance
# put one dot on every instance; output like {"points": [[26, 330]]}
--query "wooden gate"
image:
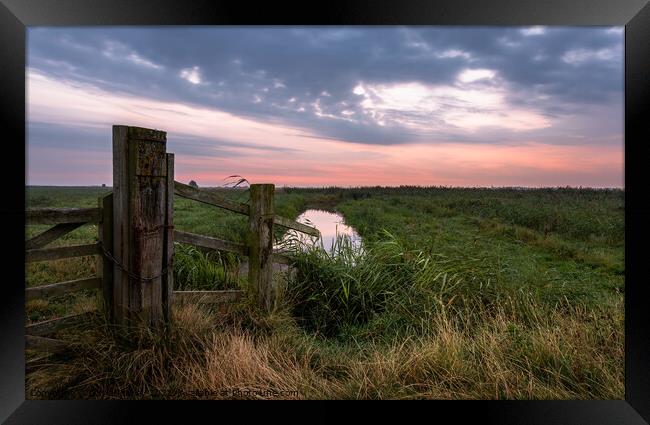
{"points": [[136, 238]]}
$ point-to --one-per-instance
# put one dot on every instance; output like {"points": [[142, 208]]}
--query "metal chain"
{"points": [[129, 273]]}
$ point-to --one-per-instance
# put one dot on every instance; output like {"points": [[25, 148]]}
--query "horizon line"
{"points": [[371, 187]]}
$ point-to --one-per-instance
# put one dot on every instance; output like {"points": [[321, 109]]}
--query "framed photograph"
{"points": [[425, 201]]}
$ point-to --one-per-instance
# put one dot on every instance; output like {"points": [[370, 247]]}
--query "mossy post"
{"points": [[141, 223], [260, 242]]}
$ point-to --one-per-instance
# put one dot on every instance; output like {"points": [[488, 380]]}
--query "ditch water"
{"points": [[329, 224]]}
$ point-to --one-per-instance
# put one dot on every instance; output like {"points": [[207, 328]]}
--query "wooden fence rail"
{"points": [[210, 242], [209, 198], [291, 224], [208, 297], [47, 345], [216, 244], [60, 288], [53, 325], [52, 234], [49, 254], [201, 195], [62, 215]]}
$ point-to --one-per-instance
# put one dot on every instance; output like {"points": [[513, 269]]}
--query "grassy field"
{"points": [[457, 293]]}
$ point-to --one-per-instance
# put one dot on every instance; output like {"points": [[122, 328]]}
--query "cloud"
{"points": [[250, 72], [191, 75], [339, 94], [471, 75], [580, 56], [454, 53], [116, 51], [537, 30], [456, 108]]}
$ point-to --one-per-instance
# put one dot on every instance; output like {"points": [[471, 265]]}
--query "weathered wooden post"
{"points": [[141, 220], [168, 252], [260, 242], [105, 265]]}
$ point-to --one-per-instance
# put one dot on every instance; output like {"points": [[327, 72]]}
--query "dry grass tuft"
{"points": [[209, 356]]}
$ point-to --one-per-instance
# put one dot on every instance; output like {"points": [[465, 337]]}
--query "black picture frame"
{"points": [[16, 15]]}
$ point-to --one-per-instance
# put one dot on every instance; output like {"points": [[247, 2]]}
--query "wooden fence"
{"points": [[65, 221], [136, 238]]}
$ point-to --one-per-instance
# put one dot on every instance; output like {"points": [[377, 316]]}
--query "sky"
{"points": [[323, 106]]}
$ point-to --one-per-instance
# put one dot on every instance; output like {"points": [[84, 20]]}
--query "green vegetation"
{"points": [[457, 293]]}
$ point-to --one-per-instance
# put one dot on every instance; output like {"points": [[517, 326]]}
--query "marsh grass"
{"points": [[493, 354], [470, 294], [195, 269]]}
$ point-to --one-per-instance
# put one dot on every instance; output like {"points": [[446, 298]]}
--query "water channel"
{"points": [[330, 226]]}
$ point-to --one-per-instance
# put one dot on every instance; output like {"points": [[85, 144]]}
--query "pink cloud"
{"points": [[309, 159]]}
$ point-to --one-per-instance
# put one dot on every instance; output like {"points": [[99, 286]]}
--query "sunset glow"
{"points": [[457, 117]]}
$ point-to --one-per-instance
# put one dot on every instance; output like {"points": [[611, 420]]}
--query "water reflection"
{"points": [[329, 224]]}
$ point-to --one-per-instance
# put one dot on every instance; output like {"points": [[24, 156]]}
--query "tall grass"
{"points": [[388, 285], [195, 269], [493, 354], [455, 293], [415, 333]]}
